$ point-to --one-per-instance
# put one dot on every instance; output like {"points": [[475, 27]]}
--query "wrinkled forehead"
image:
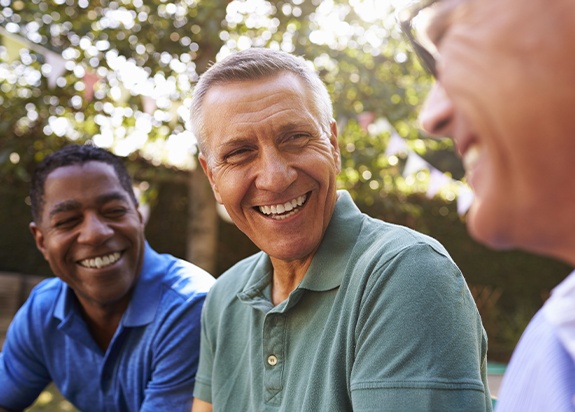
{"points": [[250, 101], [497, 21]]}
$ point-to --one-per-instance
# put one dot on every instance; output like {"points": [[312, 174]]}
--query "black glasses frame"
{"points": [[425, 57]]}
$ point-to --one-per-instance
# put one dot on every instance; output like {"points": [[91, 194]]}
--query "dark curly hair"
{"points": [[74, 155]]}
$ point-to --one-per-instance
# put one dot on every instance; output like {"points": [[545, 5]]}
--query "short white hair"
{"points": [[257, 63]]}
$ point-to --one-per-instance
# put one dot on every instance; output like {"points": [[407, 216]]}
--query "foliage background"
{"points": [[128, 71]]}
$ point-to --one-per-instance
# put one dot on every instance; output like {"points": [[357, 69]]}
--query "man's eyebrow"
{"points": [[280, 129], [233, 142], [71, 205], [65, 206], [439, 20]]}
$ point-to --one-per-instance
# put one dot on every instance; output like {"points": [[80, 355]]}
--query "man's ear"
{"points": [[335, 144], [208, 171], [39, 238]]}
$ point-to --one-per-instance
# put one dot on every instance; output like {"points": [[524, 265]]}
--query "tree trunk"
{"points": [[202, 239]]}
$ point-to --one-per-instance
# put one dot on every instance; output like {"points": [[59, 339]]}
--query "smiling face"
{"points": [[91, 233], [271, 163], [503, 95]]}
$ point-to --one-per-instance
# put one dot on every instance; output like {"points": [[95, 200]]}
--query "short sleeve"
{"points": [[23, 374], [203, 388], [176, 352], [420, 341]]}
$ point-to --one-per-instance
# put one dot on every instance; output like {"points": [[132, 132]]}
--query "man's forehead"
{"points": [[284, 82], [73, 178], [72, 203]]}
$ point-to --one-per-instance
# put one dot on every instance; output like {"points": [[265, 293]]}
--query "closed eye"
{"points": [[297, 140], [66, 222], [239, 155], [116, 212]]}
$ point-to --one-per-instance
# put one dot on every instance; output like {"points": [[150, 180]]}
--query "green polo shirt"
{"points": [[382, 321]]}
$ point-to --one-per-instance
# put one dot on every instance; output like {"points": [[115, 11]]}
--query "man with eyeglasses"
{"points": [[505, 94]]}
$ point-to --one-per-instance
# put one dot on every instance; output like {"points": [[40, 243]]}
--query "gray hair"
{"points": [[251, 64]]}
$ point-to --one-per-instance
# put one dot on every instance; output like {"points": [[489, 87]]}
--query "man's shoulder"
{"points": [[183, 277], [394, 238], [46, 292], [236, 277], [40, 304]]}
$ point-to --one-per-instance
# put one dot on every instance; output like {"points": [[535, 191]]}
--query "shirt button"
{"points": [[272, 360]]}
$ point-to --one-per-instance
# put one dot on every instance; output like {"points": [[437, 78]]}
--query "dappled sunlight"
{"points": [[139, 110]]}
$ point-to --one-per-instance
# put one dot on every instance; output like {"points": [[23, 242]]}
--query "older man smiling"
{"points": [[339, 311]]}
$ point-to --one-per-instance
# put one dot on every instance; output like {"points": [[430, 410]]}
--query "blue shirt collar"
{"points": [[145, 297]]}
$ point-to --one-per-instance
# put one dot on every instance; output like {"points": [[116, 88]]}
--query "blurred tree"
{"points": [[119, 73]]}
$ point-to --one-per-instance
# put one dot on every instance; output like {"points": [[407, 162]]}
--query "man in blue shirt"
{"points": [[504, 94], [118, 329]]}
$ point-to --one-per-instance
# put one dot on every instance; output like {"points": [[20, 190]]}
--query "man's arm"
{"points": [[176, 351], [198, 406], [420, 341], [23, 374]]}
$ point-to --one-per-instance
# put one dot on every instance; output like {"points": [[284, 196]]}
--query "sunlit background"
{"points": [[100, 70]]}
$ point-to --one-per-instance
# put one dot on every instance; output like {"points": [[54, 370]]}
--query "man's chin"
{"points": [[487, 229]]}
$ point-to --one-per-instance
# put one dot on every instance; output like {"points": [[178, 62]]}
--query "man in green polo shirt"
{"points": [[339, 311]]}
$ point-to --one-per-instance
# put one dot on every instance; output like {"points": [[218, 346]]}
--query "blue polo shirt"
{"points": [[150, 364]]}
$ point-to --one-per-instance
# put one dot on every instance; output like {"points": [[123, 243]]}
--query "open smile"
{"points": [[284, 210], [100, 261]]}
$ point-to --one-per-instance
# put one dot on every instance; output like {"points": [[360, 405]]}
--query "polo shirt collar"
{"points": [[326, 271], [145, 297], [148, 290]]}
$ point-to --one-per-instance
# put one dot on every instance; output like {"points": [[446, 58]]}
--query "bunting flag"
{"points": [[13, 45], [58, 67], [464, 199], [90, 80], [365, 119], [415, 163], [174, 115], [120, 94], [148, 104], [396, 145], [437, 180]]}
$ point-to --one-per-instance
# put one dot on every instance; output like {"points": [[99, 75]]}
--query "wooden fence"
{"points": [[14, 289]]}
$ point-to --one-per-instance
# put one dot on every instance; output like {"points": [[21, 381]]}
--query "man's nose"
{"points": [[436, 116], [94, 230], [275, 171]]}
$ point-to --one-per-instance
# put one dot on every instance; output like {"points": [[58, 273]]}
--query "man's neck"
{"points": [[103, 320], [287, 276]]}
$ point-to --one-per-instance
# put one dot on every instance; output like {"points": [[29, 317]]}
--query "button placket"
{"points": [[273, 356]]}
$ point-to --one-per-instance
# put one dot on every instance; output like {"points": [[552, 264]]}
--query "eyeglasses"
{"points": [[405, 21]]}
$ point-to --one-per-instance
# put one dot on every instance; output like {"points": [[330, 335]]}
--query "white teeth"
{"points": [[471, 157], [278, 210], [101, 261]]}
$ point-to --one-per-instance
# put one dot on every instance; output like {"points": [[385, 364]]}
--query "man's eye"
{"points": [[298, 139], [116, 212], [66, 222], [238, 155]]}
